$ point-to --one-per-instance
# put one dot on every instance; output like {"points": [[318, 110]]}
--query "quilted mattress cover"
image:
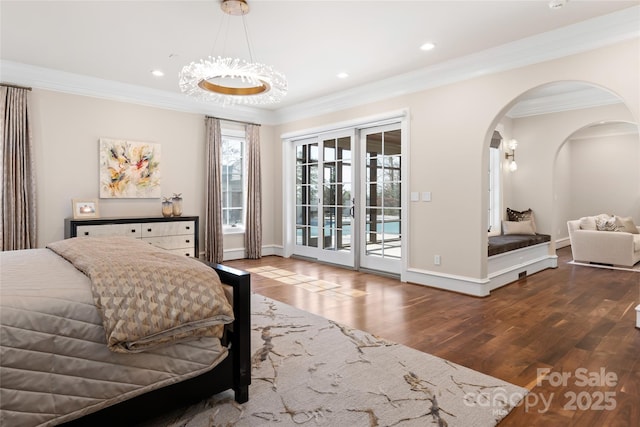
{"points": [[54, 362]]}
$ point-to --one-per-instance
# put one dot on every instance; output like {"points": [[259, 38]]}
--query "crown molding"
{"points": [[77, 84], [584, 36], [606, 130], [584, 98]]}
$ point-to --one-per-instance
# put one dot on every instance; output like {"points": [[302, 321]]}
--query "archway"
{"points": [[598, 169], [542, 119]]}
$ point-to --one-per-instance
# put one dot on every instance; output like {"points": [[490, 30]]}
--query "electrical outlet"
{"points": [[436, 259]]}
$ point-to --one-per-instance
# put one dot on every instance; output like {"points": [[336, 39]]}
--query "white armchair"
{"points": [[606, 247]]}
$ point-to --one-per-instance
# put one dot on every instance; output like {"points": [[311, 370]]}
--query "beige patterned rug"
{"points": [[310, 371]]}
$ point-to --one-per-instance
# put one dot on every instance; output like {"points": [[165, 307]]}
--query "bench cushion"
{"points": [[511, 242]]}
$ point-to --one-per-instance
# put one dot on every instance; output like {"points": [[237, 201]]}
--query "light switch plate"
{"points": [[426, 196], [415, 196]]}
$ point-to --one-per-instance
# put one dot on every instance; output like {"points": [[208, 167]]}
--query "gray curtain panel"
{"points": [[213, 237], [253, 226], [17, 190]]}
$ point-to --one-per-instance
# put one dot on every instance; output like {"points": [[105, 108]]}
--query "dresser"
{"points": [[177, 234]]}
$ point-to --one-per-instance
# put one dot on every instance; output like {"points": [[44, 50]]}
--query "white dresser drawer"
{"points": [[132, 230], [171, 242], [183, 251], [176, 228]]}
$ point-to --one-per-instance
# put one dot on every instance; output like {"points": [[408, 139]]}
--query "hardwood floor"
{"points": [[574, 321]]}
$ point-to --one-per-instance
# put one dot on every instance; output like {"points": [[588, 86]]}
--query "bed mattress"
{"points": [[54, 362]]}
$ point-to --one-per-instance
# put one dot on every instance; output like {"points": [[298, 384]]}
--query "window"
{"points": [[233, 181], [494, 217]]}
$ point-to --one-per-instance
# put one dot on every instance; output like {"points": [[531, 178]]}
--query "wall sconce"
{"points": [[513, 166]]}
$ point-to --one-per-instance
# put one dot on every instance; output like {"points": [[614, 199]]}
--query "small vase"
{"points": [[177, 205], [167, 208]]}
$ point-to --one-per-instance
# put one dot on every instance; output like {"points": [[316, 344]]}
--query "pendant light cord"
{"points": [[246, 35]]}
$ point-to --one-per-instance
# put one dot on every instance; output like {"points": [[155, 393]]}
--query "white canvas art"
{"points": [[129, 169]]}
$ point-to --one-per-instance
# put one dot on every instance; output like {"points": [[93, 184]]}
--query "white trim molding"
{"points": [[460, 284], [503, 269], [240, 253]]}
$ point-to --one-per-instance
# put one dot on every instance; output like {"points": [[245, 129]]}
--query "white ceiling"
{"points": [[116, 44]]}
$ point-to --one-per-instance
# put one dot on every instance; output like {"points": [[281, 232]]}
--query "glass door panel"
{"points": [[324, 199], [381, 248], [307, 195], [337, 198]]}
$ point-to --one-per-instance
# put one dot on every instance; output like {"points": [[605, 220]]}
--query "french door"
{"points": [[348, 198], [324, 199], [381, 199]]}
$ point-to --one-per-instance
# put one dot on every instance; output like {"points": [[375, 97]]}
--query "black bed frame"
{"points": [[234, 372]]}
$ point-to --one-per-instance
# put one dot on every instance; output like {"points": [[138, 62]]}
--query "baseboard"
{"points": [[460, 284], [479, 287], [564, 242], [240, 253], [517, 271]]}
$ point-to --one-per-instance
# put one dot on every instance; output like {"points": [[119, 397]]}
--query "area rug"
{"points": [[635, 268], [310, 371]]}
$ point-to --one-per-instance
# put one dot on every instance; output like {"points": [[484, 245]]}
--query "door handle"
{"points": [[352, 211]]}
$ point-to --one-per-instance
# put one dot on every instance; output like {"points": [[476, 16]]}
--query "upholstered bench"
{"points": [[510, 242], [513, 256]]}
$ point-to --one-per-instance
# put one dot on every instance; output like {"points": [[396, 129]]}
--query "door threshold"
{"points": [[361, 269]]}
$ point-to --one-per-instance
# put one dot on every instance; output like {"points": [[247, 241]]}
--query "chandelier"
{"points": [[233, 80]]}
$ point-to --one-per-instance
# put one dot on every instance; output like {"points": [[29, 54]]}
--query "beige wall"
{"points": [[450, 128], [605, 176], [66, 133]]}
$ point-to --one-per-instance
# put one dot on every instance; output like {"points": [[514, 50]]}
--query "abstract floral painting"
{"points": [[129, 169]]}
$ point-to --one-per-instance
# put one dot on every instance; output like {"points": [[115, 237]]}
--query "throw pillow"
{"points": [[518, 227], [588, 223], [606, 224], [513, 215], [626, 224]]}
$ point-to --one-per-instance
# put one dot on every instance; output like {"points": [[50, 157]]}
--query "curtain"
{"points": [[253, 223], [213, 236], [17, 190]]}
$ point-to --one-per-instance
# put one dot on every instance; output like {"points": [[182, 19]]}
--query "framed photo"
{"points": [[85, 208]]}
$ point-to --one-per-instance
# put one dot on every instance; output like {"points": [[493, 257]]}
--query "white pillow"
{"points": [[626, 224], [606, 224], [588, 223], [518, 227]]}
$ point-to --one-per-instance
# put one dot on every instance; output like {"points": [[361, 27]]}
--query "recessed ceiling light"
{"points": [[557, 4], [427, 46], [157, 73], [342, 75]]}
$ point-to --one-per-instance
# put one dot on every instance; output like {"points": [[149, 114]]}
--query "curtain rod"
{"points": [[234, 121], [14, 86]]}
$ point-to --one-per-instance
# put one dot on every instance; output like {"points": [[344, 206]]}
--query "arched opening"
{"points": [[542, 120], [597, 170]]}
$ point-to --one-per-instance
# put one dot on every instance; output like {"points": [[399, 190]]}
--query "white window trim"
{"points": [[229, 229], [495, 185], [234, 130]]}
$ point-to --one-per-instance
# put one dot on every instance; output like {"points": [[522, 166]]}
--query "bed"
{"points": [[65, 360]]}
